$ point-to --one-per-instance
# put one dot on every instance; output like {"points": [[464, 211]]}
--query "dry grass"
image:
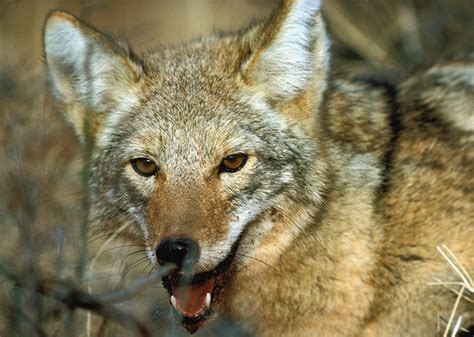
{"points": [[463, 288], [44, 236]]}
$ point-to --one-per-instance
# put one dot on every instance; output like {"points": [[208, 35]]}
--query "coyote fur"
{"points": [[297, 202]]}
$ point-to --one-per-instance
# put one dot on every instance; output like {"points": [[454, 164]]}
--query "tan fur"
{"points": [[198, 206], [349, 188]]}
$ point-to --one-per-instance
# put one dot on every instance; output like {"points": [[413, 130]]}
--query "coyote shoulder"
{"points": [[298, 203]]}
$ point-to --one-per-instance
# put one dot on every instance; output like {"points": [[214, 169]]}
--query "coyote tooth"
{"points": [[208, 300], [173, 302]]}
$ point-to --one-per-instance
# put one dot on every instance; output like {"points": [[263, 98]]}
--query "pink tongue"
{"points": [[191, 300]]}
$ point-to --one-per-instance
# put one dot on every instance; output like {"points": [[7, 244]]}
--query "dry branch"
{"points": [[75, 298]]}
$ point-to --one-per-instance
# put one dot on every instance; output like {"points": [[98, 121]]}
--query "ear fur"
{"points": [[289, 54], [89, 74]]}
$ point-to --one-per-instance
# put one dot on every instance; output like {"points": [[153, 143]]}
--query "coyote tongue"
{"points": [[192, 300]]}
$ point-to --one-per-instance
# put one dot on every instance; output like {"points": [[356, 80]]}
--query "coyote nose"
{"points": [[183, 252]]}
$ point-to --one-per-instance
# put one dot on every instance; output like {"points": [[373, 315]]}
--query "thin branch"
{"points": [[8, 5], [74, 298], [457, 267], [453, 312], [125, 293]]}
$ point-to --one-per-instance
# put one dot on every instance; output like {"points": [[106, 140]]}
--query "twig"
{"points": [[448, 285], [124, 293], [442, 319], [453, 312], [10, 3], [456, 327], [92, 265], [457, 267], [75, 298], [368, 48]]}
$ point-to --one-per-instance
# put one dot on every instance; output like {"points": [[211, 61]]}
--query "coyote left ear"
{"points": [[94, 78], [289, 54]]}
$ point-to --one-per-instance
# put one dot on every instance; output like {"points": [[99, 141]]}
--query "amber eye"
{"points": [[233, 163], [144, 167]]}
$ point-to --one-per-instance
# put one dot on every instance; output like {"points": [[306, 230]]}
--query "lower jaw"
{"points": [[193, 324]]}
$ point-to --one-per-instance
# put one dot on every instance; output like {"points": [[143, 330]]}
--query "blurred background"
{"points": [[43, 235]]}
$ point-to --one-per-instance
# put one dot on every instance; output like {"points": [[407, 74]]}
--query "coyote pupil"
{"points": [[299, 203]]}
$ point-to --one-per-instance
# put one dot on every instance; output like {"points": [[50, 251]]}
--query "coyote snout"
{"points": [[200, 214], [190, 226]]}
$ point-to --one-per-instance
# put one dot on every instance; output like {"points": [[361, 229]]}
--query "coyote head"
{"points": [[203, 149]]}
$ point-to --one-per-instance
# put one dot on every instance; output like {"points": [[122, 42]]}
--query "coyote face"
{"points": [[194, 145], [197, 163], [273, 194]]}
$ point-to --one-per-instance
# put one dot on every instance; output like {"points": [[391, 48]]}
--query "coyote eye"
{"points": [[233, 163], [144, 167]]}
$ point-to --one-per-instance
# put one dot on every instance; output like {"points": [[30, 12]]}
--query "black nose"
{"points": [[183, 252]]}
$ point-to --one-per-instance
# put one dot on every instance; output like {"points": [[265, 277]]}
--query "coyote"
{"points": [[297, 202]]}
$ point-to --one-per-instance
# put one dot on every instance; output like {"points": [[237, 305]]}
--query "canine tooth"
{"points": [[173, 301], [208, 300]]}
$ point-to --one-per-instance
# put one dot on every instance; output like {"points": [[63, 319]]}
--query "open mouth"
{"points": [[193, 297]]}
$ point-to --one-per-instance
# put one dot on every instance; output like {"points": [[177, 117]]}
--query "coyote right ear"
{"points": [[289, 54], [89, 74]]}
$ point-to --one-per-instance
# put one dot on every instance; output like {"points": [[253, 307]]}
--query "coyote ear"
{"points": [[289, 54], [90, 76]]}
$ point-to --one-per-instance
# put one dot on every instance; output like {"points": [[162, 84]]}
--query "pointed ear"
{"points": [[289, 54], [94, 79]]}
